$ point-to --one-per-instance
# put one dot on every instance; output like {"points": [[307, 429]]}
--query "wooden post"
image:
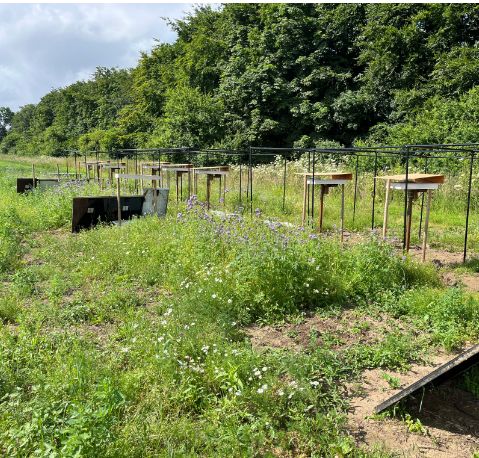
{"points": [[321, 206], [177, 186], [305, 192], [189, 183], [58, 172], [118, 199], [224, 191], [33, 175], [409, 219], [426, 224], [100, 175], [342, 213], [195, 183], [386, 209], [219, 188], [208, 190], [153, 182]]}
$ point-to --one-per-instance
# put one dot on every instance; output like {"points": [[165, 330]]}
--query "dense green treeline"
{"points": [[276, 75]]}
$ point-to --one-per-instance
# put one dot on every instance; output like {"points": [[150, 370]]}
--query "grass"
{"points": [[130, 341]]}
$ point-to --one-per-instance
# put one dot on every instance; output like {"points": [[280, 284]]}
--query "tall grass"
{"points": [[130, 341]]}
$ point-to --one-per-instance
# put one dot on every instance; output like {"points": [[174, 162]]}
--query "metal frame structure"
{"points": [[408, 157]]}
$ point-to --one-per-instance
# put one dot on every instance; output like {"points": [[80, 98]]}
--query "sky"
{"points": [[46, 46]]}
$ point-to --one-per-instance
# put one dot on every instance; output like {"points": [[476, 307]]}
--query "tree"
{"points": [[6, 116]]}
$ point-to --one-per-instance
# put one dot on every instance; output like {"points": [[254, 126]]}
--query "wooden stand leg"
{"points": [[208, 191], [305, 192], [386, 209], [426, 224], [189, 184], [224, 191], [219, 189], [342, 213], [321, 206], [118, 200], [153, 182], [408, 220], [177, 188], [195, 183]]}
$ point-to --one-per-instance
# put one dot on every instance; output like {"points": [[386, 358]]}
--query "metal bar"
{"points": [[374, 189], [355, 187], [422, 203], [284, 184], [466, 232], [406, 199]]}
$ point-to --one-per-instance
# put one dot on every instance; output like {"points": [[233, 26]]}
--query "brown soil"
{"points": [[342, 331], [450, 417]]}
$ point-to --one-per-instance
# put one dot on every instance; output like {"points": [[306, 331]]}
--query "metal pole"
{"points": [[312, 191], [466, 232], [240, 184], [76, 169], [374, 188], [251, 181], [284, 183], [422, 202], [355, 186], [406, 199]]}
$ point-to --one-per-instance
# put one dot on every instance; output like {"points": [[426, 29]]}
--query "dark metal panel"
{"points": [[448, 370]]}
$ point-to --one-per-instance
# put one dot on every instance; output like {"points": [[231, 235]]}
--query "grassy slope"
{"points": [[129, 341]]}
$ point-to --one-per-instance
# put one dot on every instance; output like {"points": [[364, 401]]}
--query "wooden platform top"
{"points": [[333, 175], [217, 168], [177, 166], [415, 178], [147, 165]]}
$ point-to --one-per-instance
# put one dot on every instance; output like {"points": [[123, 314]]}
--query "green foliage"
{"points": [[276, 75], [452, 316]]}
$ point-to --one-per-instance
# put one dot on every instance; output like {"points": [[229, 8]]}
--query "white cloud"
{"points": [[46, 46]]}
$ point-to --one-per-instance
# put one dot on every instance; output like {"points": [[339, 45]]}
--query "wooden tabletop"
{"points": [[219, 168], [415, 178], [333, 175]]}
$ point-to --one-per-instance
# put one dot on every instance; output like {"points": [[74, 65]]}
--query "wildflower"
{"points": [[314, 383], [262, 389], [213, 296], [125, 349], [238, 393], [264, 369], [229, 301], [315, 291], [280, 393]]}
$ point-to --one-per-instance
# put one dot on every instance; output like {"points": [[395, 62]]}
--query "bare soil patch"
{"points": [[449, 415], [350, 327]]}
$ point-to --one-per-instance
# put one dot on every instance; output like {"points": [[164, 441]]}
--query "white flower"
{"points": [[238, 393], [314, 383], [280, 393], [213, 296], [125, 349], [315, 291], [229, 301], [265, 369]]}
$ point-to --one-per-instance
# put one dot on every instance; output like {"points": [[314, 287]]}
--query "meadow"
{"points": [[135, 340]]}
